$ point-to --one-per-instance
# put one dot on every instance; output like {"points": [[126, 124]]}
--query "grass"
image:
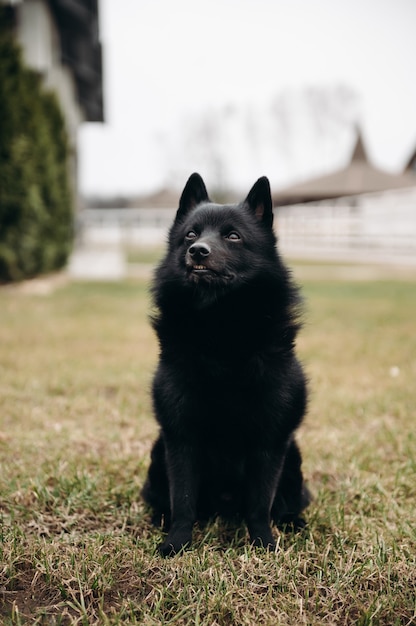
{"points": [[76, 546]]}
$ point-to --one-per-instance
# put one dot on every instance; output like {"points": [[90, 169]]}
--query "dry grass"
{"points": [[75, 432]]}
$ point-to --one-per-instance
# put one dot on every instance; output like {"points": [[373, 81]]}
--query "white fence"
{"points": [[125, 227], [373, 227], [379, 227]]}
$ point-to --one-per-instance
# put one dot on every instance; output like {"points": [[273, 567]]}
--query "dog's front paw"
{"points": [[291, 524], [174, 544], [268, 543], [262, 537]]}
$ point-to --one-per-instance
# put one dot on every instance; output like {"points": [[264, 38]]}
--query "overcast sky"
{"points": [[165, 61]]}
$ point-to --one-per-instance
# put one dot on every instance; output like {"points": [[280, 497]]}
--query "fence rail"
{"points": [[378, 227], [127, 227]]}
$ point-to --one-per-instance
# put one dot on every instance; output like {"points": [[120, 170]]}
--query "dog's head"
{"points": [[214, 245]]}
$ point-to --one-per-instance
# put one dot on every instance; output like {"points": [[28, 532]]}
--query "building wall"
{"points": [[39, 39], [38, 36]]}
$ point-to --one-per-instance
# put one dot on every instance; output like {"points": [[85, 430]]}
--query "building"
{"points": [[357, 178], [60, 41], [358, 213]]}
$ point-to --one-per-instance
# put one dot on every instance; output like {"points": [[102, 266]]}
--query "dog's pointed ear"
{"points": [[194, 192], [259, 201]]}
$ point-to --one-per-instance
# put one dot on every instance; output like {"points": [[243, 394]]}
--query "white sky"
{"points": [[166, 60]]}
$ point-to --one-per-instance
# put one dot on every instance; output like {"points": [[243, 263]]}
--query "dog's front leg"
{"points": [[264, 471], [183, 487]]}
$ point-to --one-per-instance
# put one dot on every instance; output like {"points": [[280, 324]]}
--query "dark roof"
{"points": [[411, 164], [77, 22], [359, 153], [358, 177]]}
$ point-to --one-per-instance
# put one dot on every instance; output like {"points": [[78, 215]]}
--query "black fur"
{"points": [[228, 392]]}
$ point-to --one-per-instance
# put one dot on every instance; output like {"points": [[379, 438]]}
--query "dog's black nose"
{"points": [[200, 250]]}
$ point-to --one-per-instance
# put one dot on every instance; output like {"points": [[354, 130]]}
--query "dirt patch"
{"points": [[39, 286], [327, 271]]}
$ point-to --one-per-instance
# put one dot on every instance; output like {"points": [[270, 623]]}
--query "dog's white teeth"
{"points": [[199, 267]]}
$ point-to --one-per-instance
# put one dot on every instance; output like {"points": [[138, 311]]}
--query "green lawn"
{"points": [[75, 433]]}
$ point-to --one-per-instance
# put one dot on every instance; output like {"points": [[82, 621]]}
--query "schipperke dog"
{"points": [[229, 391]]}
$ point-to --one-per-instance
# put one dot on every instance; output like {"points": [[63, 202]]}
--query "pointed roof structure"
{"points": [[359, 152], [358, 177], [411, 165]]}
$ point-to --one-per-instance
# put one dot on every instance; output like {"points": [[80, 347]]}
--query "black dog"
{"points": [[228, 392]]}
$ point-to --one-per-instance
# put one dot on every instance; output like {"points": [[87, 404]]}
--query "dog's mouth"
{"points": [[198, 270]]}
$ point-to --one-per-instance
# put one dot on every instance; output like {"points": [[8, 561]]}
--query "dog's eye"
{"points": [[191, 234], [233, 236]]}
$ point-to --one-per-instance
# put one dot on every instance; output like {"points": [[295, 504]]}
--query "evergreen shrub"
{"points": [[36, 215]]}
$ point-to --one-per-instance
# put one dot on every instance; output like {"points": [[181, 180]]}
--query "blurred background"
{"points": [[109, 105]]}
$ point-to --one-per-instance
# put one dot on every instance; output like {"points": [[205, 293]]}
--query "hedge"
{"points": [[36, 214]]}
